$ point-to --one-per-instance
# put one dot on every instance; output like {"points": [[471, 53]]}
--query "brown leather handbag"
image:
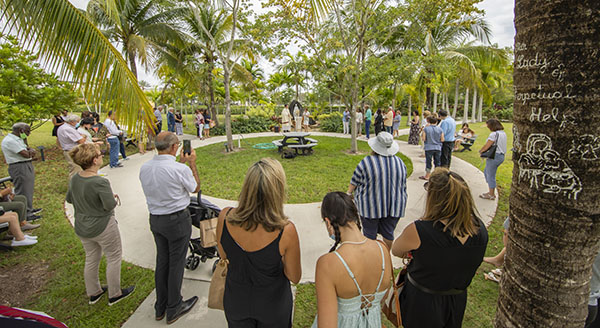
{"points": [[391, 307]]}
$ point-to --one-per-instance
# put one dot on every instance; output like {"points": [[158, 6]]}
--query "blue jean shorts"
{"points": [[384, 226]]}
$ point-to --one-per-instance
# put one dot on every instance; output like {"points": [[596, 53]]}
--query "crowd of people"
{"points": [[300, 120]]}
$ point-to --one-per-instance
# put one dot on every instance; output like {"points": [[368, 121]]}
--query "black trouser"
{"points": [[158, 127], [23, 178], [171, 235], [447, 147]]}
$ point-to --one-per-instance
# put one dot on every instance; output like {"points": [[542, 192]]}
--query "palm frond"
{"points": [[74, 48]]}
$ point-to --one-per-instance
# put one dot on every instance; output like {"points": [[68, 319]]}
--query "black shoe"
{"points": [[35, 211], [160, 316], [124, 293], [33, 217], [184, 308], [94, 299]]}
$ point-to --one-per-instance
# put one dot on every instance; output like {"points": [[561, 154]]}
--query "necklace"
{"points": [[354, 242]]}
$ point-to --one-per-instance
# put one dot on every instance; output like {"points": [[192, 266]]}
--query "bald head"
{"points": [[164, 141]]}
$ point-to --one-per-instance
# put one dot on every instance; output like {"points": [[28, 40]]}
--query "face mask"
{"points": [[23, 136]]}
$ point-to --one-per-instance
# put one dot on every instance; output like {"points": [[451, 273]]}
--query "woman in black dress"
{"points": [[447, 246], [57, 120], [378, 121], [263, 250], [415, 129]]}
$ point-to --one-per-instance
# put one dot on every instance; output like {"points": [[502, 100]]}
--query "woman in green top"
{"points": [[95, 224]]}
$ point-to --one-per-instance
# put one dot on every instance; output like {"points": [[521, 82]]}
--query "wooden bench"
{"points": [[4, 225], [308, 148], [467, 143]]}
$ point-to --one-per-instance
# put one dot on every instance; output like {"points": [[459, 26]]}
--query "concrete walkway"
{"points": [[139, 248]]}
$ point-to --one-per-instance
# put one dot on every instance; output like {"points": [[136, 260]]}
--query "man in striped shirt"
{"points": [[379, 187]]}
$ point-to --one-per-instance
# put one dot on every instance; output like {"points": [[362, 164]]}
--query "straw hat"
{"points": [[384, 144]]}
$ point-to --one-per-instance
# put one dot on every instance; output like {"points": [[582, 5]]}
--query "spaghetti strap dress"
{"points": [[257, 292], [363, 310]]}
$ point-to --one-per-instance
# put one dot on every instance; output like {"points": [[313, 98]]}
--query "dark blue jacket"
{"points": [[170, 118]]}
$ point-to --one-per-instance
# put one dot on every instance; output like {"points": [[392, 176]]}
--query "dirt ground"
{"points": [[22, 282]]}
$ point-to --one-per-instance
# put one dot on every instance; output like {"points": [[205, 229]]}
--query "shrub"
{"points": [[331, 122], [265, 109], [499, 112], [242, 125]]}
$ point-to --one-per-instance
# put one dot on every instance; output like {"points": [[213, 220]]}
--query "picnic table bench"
{"points": [[467, 143], [4, 225], [298, 141]]}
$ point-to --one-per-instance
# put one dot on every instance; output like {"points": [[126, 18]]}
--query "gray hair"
{"points": [[166, 142], [19, 126], [72, 118]]}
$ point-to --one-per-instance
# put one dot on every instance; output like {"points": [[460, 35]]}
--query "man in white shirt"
{"points": [[18, 156], [167, 186], [69, 138], [113, 140]]}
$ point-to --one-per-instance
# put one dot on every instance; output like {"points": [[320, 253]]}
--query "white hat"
{"points": [[384, 144]]}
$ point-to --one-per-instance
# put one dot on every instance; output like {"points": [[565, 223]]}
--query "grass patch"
{"points": [[63, 293], [309, 178]]}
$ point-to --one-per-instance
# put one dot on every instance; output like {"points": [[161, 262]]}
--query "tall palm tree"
{"points": [[71, 45], [554, 230], [137, 27]]}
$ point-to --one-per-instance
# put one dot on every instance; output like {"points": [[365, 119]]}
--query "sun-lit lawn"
{"points": [[309, 178], [62, 295]]}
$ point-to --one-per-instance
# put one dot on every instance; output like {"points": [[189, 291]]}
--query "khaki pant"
{"points": [[109, 243], [74, 167]]}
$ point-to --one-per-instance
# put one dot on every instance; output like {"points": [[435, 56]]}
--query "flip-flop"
{"points": [[487, 196], [491, 276], [423, 178], [497, 272]]}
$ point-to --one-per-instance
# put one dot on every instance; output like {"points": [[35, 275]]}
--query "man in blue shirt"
{"points": [[448, 125], [170, 120], [368, 118]]}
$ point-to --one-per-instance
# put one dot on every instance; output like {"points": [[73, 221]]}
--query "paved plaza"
{"points": [[139, 248]]}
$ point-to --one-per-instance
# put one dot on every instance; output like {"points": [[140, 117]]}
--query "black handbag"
{"points": [[491, 152]]}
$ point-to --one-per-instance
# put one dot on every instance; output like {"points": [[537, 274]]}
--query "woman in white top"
{"points": [[353, 280], [359, 122], [497, 137], [306, 120]]}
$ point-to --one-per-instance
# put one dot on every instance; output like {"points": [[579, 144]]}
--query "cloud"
{"points": [[500, 15]]}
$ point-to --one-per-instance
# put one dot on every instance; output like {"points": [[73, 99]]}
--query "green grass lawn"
{"points": [[62, 292], [309, 178]]}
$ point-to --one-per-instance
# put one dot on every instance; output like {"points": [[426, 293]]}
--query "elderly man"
{"points": [[167, 186], [69, 137], [448, 126], [18, 156], [158, 115], [171, 120]]}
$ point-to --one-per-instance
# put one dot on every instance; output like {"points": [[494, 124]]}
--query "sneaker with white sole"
{"points": [[124, 293], [24, 242], [94, 299]]}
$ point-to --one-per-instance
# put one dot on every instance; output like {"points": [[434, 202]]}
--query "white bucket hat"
{"points": [[384, 144]]}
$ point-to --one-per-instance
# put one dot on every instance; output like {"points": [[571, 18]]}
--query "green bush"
{"points": [[242, 125], [499, 112], [330, 122], [264, 109]]}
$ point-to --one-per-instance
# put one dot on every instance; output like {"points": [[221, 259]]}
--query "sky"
{"points": [[499, 14]]}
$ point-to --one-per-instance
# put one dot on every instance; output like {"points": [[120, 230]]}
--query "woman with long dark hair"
{"points": [[447, 246], [498, 138], [415, 129]]}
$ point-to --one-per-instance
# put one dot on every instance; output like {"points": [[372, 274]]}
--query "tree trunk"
{"points": [[132, 65], [466, 115], [409, 110], [554, 202], [228, 131], [480, 112], [474, 109], [435, 99], [211, 91], [395, 92], [456, 96]]}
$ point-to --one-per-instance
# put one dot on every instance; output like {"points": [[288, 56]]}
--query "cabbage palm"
{"points": [[71, 45]]}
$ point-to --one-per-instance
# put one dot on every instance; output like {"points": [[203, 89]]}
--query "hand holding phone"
{"points": [[187, 147]]}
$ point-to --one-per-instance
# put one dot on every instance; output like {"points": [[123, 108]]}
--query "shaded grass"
{"points": [[63, 295], [309, 178]]}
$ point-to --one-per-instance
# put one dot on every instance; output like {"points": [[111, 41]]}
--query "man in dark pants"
{"points": [[448, 126], [167, 186], [18, 156]]}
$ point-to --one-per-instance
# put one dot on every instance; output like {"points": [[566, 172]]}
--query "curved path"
{"points": [[139, 248]]}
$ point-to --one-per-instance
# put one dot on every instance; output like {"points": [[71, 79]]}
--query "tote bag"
{"points": [[491, 152]]}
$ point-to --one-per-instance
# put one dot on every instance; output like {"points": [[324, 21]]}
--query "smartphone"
{"points": [[187, 147]]}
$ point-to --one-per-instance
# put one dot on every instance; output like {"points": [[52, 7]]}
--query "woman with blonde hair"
{"points": [[263, 251], [95, 224], [447, 246]]}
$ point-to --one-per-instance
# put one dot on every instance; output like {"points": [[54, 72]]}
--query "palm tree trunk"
{"points": [[466, 115], [132, 65], [228, 131], [480, 112], [409, 110], [456, 96], [211, 91], [435, 100], [474, 109], [554, 229], [395, 93]]}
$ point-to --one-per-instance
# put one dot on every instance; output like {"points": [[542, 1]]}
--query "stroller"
{"points": [[200, 210]]}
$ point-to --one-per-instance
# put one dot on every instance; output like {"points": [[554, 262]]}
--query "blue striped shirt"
{"points": [[380, 187]]}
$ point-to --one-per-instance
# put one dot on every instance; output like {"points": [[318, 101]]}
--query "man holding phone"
{"points": [[167, 186]]}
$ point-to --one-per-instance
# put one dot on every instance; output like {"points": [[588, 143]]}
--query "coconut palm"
{"points": [[71, 45]]}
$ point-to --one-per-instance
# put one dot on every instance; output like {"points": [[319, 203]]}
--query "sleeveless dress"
{"points": [[59, 119], [358, 311], [442, 263], [256, 289], [413, 137]]}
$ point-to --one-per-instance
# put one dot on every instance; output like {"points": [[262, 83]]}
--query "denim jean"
{"points": [[114, 151], [389, 129], [491, 167], [367, 128], [122, 150], [430, 155]]}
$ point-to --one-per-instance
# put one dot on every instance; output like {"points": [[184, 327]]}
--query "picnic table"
{"points": [[299, 141]]}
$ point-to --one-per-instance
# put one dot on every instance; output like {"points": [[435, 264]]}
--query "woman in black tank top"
{"points": [[257, 288], [447, 246]]}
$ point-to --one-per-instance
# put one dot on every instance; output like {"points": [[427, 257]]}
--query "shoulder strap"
{"points": [[350, 273], [382, 267]]}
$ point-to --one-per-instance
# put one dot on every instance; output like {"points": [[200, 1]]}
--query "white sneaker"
{"points": [[24, 242], [31, 237]]}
